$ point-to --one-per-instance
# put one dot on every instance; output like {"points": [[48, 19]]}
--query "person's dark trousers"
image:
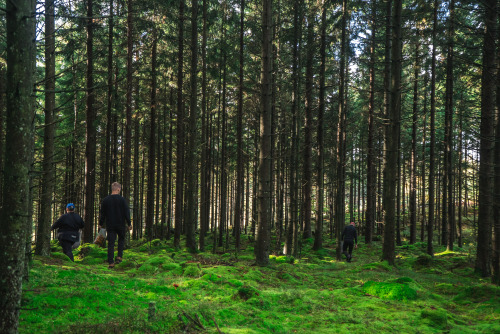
{"points": [[348, 246], [112, 234], [67, 248]]}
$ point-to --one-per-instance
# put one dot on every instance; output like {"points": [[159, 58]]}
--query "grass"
{"points": [[207, 293]]}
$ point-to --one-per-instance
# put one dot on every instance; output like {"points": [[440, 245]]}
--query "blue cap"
{"points": [[70, 206]]}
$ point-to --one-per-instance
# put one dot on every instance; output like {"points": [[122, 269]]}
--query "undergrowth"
{"points": [[228, 293]]}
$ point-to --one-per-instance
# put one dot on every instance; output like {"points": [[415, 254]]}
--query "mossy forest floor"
{"points": [[225, 293]]}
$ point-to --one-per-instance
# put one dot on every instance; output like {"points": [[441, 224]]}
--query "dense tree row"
{"points": [[276, 120]]}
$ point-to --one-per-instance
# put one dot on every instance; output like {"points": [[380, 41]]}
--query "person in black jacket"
{"points": [[114, 216], [68, 226], [349, 236]]}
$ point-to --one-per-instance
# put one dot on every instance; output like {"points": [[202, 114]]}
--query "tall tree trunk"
{"points": [[19, 138], [48, 182], [496, 222], [128, 108], [179, 177], [422, 168], [238, 215], [413, 157], [448, 136], [205, 148], [318, 237], [430, 221], [391, 138], [486, 171], [192, 156], [306, 154], [91, 132], [371, 176], [264, 172], [341, 137], [152, 143]]}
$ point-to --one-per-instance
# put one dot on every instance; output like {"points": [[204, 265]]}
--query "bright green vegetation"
{"points": [[195, 293]]}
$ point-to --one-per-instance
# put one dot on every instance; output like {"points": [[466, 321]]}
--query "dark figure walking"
{"points": [[68, 226], [350, 238], [115, 215]]}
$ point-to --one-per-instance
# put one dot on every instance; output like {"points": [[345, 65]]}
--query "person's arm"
{"points": [[127, 214], [101, 215], [342, 235], [56, 224]]}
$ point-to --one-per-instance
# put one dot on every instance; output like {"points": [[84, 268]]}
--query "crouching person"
{"points": [[68, 226]]}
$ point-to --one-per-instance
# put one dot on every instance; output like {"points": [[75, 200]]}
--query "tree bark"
{"points": [[19, 138], [430, 221], [238, 214], [413, 157], [150, 200], [391, 138], [487, 129], [264, 171], [179, 177], [91, 132], [318, 237], [192, 156], [371, 177], [48, 182]]}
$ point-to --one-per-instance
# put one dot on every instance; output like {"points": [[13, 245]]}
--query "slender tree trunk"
{"points": [[179, 178], [238, 215], [19, 138], [413, 157], [192, 156], [496, 222], [371, 176], [91, 132], [391, 138], [341, 137], [486, 171], [264, 172], [306, 154], [128, 108], [3, 80], [150, 200], [430, 222], [318, 237], [48, 182], [448, 137]]}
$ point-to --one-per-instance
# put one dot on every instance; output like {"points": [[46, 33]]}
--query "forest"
{"points": [[246, 135]]}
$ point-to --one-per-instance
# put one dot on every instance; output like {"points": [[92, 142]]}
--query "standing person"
{"points": [[68, 226], [349, 236], [114, 214]]}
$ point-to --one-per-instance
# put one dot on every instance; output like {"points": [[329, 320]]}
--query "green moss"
{"points": [[60, 256], [246, 292], [254, 275], [388, 290], [192, 270], [478, 293], [435, 318], [384, 265], [147, 269]]}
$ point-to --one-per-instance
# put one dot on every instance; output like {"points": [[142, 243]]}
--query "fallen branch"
{"points": [[217, 326]]}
